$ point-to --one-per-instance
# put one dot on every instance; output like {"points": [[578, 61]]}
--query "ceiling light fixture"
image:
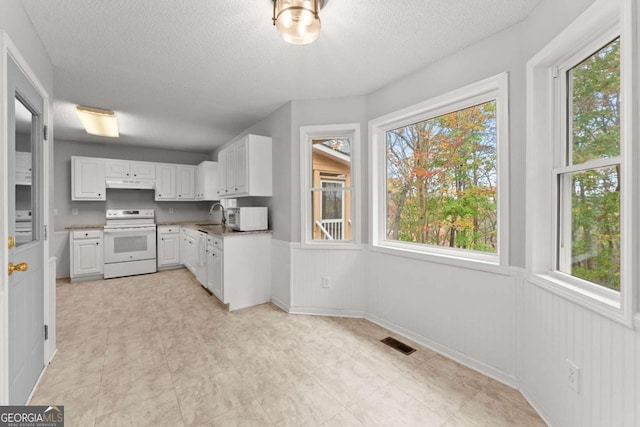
{"points": [[97, 121], [297, 20]]}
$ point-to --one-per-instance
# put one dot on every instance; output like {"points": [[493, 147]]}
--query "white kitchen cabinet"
{"points": [[186, 180], [87, 256], [246, 270], [165, 181], [23, 168], [87, 179], [128, 169], [175, 182], [246, 168], [214, 266], [207, 181], [168, 246], [193, 253]]}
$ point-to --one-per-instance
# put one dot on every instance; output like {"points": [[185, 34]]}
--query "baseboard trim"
{"points": [[280, 304], [461, 358], [46, 366], [331, 312], [535, 407]]}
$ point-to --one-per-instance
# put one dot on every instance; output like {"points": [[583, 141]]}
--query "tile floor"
{"points": [[157, 350]]}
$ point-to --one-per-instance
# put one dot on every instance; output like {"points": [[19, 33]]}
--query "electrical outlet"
{"points": [[326, 283], [74, 211], [573, 376], [55, 211]]}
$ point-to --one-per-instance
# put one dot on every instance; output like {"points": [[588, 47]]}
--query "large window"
{"points": [[588, 175], [582, 173], [437, 181], [328, 176]]}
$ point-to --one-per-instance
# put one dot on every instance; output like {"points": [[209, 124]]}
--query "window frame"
{"points": [[307, 134], [489, 89], [546, 139]]}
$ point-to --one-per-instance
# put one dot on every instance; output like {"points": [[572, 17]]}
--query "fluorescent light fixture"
{"points": [[97, 121]]}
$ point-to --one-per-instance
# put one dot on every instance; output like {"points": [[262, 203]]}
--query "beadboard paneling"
{"points": [[607, 353], [281, 274], [344, 268], [61, 253], [467, 314]]}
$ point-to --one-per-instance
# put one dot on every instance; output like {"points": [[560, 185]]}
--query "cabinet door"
{"points": [[242, 167], [184, 246], [214, 273], [222, 173], [230, 172], [87, 181], [166, 182], [23, 162], [145, 170], [186, 182], [87, 257], [168, 249], [116, 169]]}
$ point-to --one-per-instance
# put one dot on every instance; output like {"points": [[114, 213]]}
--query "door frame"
{"points": [[9, 49]]}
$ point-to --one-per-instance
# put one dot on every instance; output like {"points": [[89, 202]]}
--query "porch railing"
{"points": [[332, 229]]}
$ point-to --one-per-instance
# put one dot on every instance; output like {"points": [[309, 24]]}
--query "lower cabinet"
{"points": [[168, 246], [87, 254], [246, 270], [214, 266]]}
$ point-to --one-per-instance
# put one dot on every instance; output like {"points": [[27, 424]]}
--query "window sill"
{"points": [[346, 246], [593, 301], [488, 265]]}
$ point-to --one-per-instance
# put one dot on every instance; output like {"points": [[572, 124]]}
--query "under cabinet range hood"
{"points": [[131, 184]]}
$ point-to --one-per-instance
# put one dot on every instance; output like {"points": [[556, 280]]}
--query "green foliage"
{"points": [[441, 180]]}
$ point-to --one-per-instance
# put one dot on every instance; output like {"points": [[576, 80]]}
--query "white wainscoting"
{"points": [[468, 315], [61, 253], [343, 268], [607, 353], [281, 273]]}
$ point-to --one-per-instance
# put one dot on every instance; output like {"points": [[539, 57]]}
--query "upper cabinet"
{"points": [[207, 181], [87, 179], [186, 182], [173, 182], [165, 181], [127, 169], [245, 168]]}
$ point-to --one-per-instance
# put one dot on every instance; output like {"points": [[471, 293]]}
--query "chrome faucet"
{"points": [[215, 205]]}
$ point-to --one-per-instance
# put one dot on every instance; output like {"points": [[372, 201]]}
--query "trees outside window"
{"points": [[441, 179], [589, 174]]}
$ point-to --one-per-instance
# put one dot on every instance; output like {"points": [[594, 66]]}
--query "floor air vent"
{"points": [[397, 345]]}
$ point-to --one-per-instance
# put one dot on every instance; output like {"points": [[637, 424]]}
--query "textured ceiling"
{"points": [[192, 74]]}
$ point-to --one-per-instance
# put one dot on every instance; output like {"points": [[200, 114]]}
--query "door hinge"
{"points": [[46, 332], [45, 232], [45, 132]]}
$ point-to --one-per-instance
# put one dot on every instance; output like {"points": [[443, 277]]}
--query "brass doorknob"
{"points": [[23, 266]]}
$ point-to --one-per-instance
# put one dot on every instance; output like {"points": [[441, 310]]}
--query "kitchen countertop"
{"points": [[205, 226], [219, 230]]}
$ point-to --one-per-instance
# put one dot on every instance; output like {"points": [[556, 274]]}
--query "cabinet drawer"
{"points": [[86, 234], [168, 229]]}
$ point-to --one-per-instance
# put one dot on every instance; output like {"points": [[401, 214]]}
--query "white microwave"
{"points": [[247, 218]]}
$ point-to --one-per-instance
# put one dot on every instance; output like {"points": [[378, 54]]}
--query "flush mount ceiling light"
{"points": [[297, 20], [97, 121]]}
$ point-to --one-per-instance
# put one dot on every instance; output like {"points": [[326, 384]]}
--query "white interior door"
{"points": [[26, 218]]}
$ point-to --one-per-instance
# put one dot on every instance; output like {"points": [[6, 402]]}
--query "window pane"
{"points": [[595, 105], [331, 202], [331, 212], [595, 226], [442, 178]]}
